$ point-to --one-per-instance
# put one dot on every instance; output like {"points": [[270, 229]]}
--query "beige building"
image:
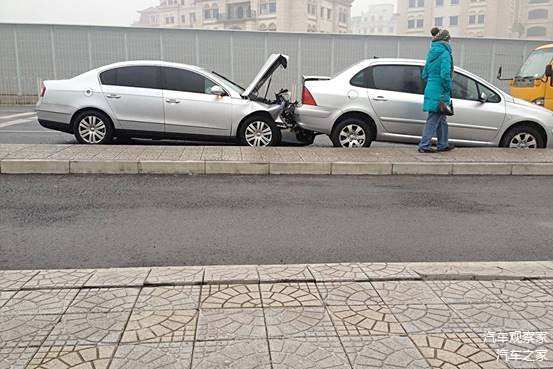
{"points": [[478, 18], [378, 19], [465, 18], [328, 16], [535, 19]]}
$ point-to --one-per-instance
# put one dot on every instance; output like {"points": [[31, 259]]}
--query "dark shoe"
{"points": [[450, 147], [426, 151]]}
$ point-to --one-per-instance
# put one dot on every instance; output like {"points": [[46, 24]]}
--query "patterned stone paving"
{"points": [[70, 356], [292, 294], [118, 277], [14, 280], [104, 300], [68, 278], [230, 324], [390, 352], [153, 356], [462, 292], [365, 320], [162, 326], [372, 315], [39, 302], [25, 330], [406, 292], [429, 319], [299, 322], [253, 354], [16, 357], [337, 272], [88, 329], [230, 296], [168, 298], [442, 352], [308, 353], [284, 273], [176, 275], [349, 293]]}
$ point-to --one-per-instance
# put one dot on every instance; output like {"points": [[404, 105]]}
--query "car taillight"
{"points": [[42, 90], [307, 98]]}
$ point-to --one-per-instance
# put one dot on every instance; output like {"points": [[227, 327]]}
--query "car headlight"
{"points": [[540, 101]]}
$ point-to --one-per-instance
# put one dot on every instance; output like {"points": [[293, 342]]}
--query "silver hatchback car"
{"points": [[154, 99], [381, 100]]}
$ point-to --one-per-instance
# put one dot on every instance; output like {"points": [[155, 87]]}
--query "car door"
{"points": [[189, 106], [134, 94], [397, 94], [474, 119]]}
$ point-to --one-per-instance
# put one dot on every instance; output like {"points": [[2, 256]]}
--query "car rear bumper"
{"points": [[57, 126], [315, 118]]}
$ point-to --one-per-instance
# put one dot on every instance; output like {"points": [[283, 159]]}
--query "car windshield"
{"points": [[234, 85], [536, 63]]}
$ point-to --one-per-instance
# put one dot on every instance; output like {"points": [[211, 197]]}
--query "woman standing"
{"points": [[438, 73]]}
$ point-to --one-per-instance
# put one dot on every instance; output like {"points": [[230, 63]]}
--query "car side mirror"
{"points": [[483, 97], [217, 91], [549, 74]]}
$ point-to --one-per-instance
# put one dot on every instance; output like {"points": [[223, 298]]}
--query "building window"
{"points": [[454, 2], [472, 19], [183, 18], [192, 18], [536, 32], [267, 7], [454, 21], [439, 2], [439, 21], [420, 23], [416, 3], [481, 19], [538, 14], [411, 24]]}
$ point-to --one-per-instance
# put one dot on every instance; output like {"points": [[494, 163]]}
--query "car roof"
{"points": [[151, 62]]}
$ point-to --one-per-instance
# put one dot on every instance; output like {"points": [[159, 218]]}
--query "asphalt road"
{"points": [[109, 221]]}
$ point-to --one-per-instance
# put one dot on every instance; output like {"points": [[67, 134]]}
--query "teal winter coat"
{"points": [[437, 74]]}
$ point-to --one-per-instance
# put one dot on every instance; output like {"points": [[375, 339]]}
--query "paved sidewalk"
{"points": [[121, 159], [438, 315]]}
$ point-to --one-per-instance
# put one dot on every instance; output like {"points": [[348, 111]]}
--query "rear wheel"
{"points": [[352, 133], [523, 137], [259, 131], [93, 128]]}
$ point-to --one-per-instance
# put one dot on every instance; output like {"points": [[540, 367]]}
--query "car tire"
{"points": [[523, 137], [259, 131], [352, 133], [92, 127]]}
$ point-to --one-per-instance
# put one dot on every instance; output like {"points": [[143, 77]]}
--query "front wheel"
{"points": [[352, 133], [523, 137], [259, 132], [93, 128]]}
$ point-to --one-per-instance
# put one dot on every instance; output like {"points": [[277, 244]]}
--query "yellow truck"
{"points": [[534, 81]]}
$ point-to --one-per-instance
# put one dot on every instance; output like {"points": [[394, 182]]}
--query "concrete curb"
{"points": [[200, 167]]}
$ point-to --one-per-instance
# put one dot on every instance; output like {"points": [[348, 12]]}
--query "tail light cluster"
{"points": [[307, 98], [42, 89]]}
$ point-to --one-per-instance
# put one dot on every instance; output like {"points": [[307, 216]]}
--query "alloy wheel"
{"points": [[524, 141], [352, 136], [258, 134], [92, 129]]}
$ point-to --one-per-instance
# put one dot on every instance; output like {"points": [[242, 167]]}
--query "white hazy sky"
{"points": [[96, 12]]}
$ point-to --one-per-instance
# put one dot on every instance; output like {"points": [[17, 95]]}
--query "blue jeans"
{"points": [[436, 124]]}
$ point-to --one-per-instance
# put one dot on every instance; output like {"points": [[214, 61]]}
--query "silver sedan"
{"points": [[381, 100], [154, 99]]}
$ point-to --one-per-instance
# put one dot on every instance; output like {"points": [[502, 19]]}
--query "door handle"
{"points": [[173, 101], [113, 96], [380, 98]]}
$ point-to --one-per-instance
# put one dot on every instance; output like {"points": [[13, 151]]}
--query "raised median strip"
{"points": [[349, 315], [231, 160]]}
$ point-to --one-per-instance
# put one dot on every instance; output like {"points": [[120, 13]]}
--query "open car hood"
{"points": [[271, 65]]}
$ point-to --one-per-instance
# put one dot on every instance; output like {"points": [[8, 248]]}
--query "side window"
{"points": [[183, 80], [492, 96], [361, 79], [109, 77], [137, 76], [464, 88], [399, 78]]}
